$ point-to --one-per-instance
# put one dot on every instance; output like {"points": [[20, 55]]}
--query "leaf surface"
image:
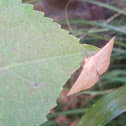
{"points": [[36, 59]]}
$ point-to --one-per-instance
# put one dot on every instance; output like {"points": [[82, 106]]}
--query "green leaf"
{"points": [[106, 109], [10, 3], [36, 59]]}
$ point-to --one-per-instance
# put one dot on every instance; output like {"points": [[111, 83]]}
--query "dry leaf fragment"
{"points": [[94, 66]]}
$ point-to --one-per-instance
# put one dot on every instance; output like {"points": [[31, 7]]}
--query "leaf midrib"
{"points": [[27, 62]]}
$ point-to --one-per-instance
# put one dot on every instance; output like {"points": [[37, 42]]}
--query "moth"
{"points": [[94, 67]]}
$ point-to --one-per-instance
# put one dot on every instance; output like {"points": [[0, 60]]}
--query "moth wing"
{"points": [[87, 78], [101, 59], [94, 66]]}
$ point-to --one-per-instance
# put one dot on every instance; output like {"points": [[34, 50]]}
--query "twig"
{"points": [[66, 16]]}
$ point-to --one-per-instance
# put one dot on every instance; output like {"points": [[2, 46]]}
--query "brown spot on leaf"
{"points": [[31, 91]]}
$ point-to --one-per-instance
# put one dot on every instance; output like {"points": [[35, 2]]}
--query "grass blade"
{"points": [[106, 6], [94, 23], [106, 109], [69, 112], [105, 38]]}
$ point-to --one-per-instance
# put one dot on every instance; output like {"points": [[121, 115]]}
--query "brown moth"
{"points": [[94, 67]]}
